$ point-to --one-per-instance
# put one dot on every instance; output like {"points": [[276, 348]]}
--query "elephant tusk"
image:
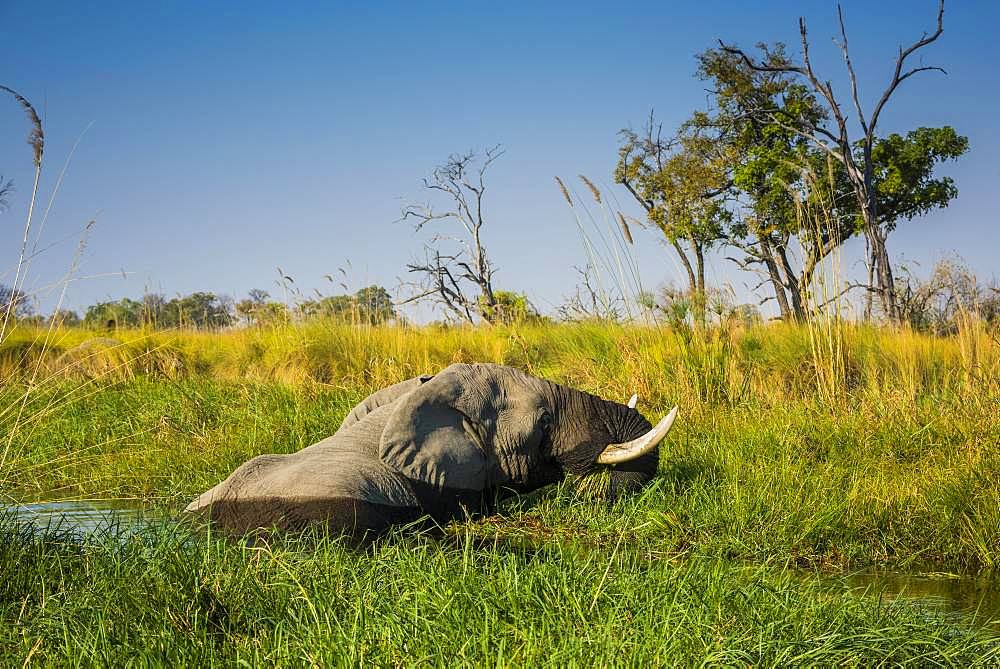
{"points": [[630, 450], [632, 401]]}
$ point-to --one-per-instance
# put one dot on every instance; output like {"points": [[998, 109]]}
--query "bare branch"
{"points": [[850, 70], [898, 76], [759, 67], [847, 287], [463, 183]]}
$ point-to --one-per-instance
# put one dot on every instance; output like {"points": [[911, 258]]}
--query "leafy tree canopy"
{"points": [[904, 172]]}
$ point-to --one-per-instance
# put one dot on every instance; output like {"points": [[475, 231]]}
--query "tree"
{"points": [[375, 304], [855, 154], [15, 301], [64, 318], [461, 280], [793, 195], [154, 310], [511, 308], [199, 310], [681, 183], [372, 305], [779, 184], [270, 313], [125, 313], [254, 302]]}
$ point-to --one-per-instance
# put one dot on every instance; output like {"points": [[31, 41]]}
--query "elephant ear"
{"points": [[436, 434]]}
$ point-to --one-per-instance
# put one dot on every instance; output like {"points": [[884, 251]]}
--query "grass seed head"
{"points": [[36, 137], [625, 228], [565, 191], [592, 187]]}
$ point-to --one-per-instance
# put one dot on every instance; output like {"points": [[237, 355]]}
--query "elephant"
{"points": [[439, 447]]}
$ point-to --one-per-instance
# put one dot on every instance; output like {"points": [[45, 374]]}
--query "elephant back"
{"points": [[360, 436], [380, 398]]}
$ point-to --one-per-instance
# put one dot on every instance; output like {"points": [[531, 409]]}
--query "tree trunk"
{"points": [[797, 285], [687, 265], [772, 271], [880, 273], [870, 259], [876, 238], [699, 297], [888, 284]]}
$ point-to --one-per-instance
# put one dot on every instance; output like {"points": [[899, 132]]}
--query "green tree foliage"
{"points": [[372, 305], [271, 313], [842, 142], [785, 191], [125, 313], [681, 183], [65, 318], [197, 310], [205, 310], [509, 308], [375, 304], [904, 172], [782, 191], [251, 310]]}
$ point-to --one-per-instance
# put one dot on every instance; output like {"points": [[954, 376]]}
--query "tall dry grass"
{"points": [[720, 365], [898, 466]]}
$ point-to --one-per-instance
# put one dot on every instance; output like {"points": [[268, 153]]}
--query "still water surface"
{"points": [[976, 599], [82, 519]]}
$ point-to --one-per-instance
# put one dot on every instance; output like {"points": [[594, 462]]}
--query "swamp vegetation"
{"points": [[804, 456]]}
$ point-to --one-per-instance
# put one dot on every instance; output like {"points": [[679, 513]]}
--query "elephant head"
{"points": [[442, 446]]}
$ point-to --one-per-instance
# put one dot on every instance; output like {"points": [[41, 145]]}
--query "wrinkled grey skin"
{"points": [[441, 446]]}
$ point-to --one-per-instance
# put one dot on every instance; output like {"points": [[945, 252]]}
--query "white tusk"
{"points": [[633, 401], [617, 453]]}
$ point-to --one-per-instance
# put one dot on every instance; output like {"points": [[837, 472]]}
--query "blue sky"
{"points": [[227, 139]]}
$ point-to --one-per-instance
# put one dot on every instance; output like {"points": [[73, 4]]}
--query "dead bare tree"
{"points": [[941, 301], [587, 303], [840, 144], [460, 281]]}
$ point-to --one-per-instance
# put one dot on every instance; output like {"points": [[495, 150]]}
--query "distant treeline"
{"points": [[951, 293], [206, 310]]}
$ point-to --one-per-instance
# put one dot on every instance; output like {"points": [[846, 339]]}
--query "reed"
{"points": [[763, 478]]}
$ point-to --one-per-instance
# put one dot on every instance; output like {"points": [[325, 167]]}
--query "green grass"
{"points": [[414, 601], [797, 449]]}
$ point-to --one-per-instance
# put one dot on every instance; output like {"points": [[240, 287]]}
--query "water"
{"points": [[79, 520], [972, 598], [975, 598]]}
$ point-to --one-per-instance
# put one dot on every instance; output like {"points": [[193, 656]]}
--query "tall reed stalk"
{"points": [[610, 251], [823, 297], [36, 139]]}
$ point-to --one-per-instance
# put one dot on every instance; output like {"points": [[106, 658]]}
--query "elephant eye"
{"points": [[545, 421]]}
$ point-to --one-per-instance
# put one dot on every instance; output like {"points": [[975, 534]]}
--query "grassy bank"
{"points": [[850, 448], [830, 449], [414, 601]]}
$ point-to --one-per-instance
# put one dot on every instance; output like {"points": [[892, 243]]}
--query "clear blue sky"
{"points": [[231, 138]]}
